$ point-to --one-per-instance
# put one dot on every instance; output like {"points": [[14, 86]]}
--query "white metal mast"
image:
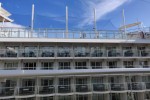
{"points": [[124, 21], [66, 22], [95, 27], [32, 19]]}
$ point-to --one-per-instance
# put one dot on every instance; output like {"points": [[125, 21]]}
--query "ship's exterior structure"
{"points": [[48, 64]]}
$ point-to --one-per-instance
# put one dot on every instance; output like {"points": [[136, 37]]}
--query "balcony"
{"points": [[117, 87], [97, 53], [82, 88], [47, 54], [128, 53], [46, 89], [144, 53], [100, 87], [28, 54], [135, 86], [28, 90], [64, 89], [11, 54], [63, 54], [81, 54], [113, 53], [7, 91], [147, 85]]}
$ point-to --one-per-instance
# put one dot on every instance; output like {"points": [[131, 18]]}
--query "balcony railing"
{"points": [[97, 53], [27, 90], [136, 86], [118, 87], [100, 87], [113, 53], [46, 89], [9, 32], [74, 53], [46, 53], [64, 88], [7, 91], [82, 88], [147, 85], [63, 54]]}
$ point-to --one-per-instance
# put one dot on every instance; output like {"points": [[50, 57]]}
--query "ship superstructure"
{"points": [[45, 64]]}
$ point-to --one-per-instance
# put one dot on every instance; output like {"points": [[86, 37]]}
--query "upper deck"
{"points": [[14, 34]]}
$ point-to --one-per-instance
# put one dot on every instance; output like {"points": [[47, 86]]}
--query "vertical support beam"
{"points": [[66, 21], [32, 20]]}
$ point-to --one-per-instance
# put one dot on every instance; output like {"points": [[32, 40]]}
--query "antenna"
{"points": [[66, 22], [124, 21], [32, 19]]}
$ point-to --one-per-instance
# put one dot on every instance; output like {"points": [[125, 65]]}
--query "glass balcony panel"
{"points": [[147, 85], [63, 52], [29, 52], [2, 52], [64, 88], [27, 90], [96, 52], [46, 52], [113, 53], [128, 53], [100, 87], [7, 91], [82, 88], [117, 87], [10, 53], [135, 86], [143, 53], [46, 89], [81, 52]]}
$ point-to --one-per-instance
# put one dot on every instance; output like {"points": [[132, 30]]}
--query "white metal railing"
{"points": [[72, 34]]}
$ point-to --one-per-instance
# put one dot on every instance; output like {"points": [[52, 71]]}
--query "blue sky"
{"points": [[51, 13]]}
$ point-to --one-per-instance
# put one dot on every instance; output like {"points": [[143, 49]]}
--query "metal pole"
{"points": [[124, 21], [95, 26], [66, 22], [32, 19]]}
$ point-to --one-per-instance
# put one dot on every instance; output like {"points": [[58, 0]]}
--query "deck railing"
{"points": [[72, 34]]}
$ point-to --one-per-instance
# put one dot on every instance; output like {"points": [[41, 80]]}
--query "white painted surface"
{"points": [[74, 40], [14, 73]]}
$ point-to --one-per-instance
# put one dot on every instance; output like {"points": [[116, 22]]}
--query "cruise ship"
{"points": [[55, 64]]}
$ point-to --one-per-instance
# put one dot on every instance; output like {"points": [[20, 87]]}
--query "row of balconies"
{"points": [[75, 53], [71, 67], [98, 87]]}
